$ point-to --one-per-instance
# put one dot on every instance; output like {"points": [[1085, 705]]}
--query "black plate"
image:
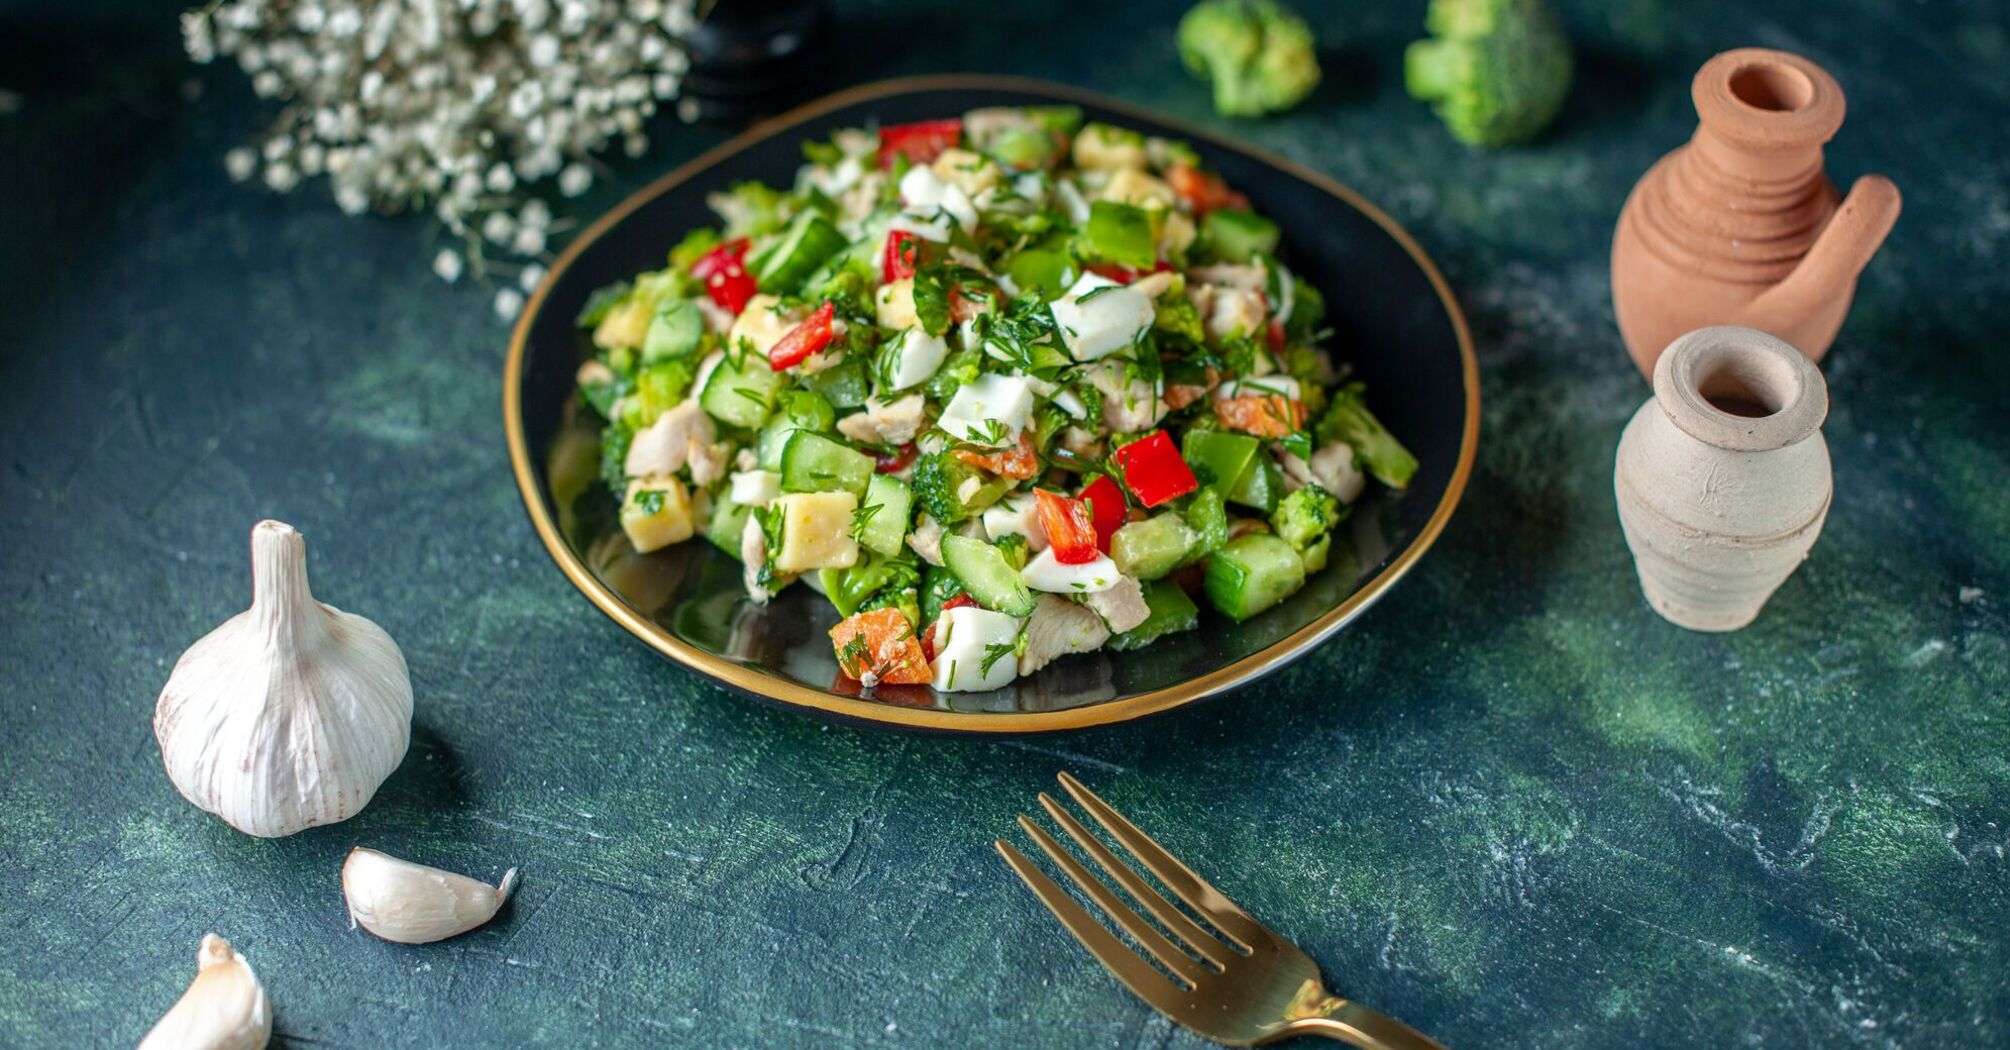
{"points": [[1396, 323]]}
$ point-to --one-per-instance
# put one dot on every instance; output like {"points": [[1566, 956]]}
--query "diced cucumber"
{"points": [[1151, 548], [1171, 612], [1261, 485], [885, 529], [1253, 573], [1120, 234], [741, 390], [806, 243], [1235, 236], [727, 523], [674, 331], [1219, 456], [812, 462], [988, 576]]}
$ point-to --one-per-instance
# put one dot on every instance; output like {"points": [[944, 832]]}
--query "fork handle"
{"points": [[1349, 1022]]}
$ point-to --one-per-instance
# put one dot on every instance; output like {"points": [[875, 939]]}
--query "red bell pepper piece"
{"points": [[903, 252], [892, 462], [1107, 507], [1124, 274], [1203, 191], [724, 271], [920, 142], [812, 335], [1070, 529], [1153, 469]]}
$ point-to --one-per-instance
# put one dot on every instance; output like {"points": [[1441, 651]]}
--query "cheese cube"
{"points": [[656, 513], [1047, 573], [989, 410], [816, 531], [1131, 186], [763, 324], [1107, 322], [894, 305], [974, 649]]}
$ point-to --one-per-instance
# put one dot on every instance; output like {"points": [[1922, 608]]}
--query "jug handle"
{"points": [[1854, 234]]}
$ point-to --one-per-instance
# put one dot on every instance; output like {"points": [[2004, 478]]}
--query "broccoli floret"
{"points": [[1013, 547], [1495, 71], [937, 476], [1348, 420], [1304, 516], [1258, 53]]}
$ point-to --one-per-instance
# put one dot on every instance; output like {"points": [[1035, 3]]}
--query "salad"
{"points": [[1001, 387]]}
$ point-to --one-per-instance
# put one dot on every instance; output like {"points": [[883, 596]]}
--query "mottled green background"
{"points": [[1511, 805]]}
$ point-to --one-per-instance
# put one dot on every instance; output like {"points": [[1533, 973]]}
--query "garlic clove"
{"points": [[224, 1008], [414, 904], [292, 712]]}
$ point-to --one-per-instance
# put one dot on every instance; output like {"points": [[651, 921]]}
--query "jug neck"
{"points": [[1763, 117]]}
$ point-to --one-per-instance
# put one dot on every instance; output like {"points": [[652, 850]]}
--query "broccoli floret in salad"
{"points": [[1259, 54], [1303, 517], [966, 363]]}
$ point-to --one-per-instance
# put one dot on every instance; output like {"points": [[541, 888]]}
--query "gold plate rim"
{"points": [[781, 690]]}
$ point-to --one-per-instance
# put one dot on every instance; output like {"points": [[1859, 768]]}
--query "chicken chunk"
{"points": [[1331, 468], [1130, 402], [1122, 607], [885, 423], [926, 539], [754, 555], [1059, 627], [663, 447]]}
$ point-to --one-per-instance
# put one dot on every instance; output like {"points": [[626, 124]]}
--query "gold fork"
{"points": [[1246, 987]]}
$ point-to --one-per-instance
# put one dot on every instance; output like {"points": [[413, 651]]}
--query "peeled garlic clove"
{"points": [[414, 904], [292, 712], [224, 1008]]}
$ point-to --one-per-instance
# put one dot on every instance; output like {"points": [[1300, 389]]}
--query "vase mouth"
{"points": [[1740, 389], [1759, 99]]}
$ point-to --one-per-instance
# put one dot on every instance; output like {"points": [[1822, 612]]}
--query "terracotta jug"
{"points": [[1741, 225], [1722, 477]]}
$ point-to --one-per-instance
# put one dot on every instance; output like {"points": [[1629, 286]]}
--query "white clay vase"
{"points": [[1722, 476]]}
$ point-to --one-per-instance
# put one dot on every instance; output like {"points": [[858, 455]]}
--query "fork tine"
{"points": [[1141, 891], [1165, 951], [1225, 914], [1128, 966]]}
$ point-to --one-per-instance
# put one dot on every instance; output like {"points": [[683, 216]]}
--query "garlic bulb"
{"points": [[292, 712], [414, 904], [224, 1008]]}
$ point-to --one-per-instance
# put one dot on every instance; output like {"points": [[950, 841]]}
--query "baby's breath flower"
{"points": [[448, 265], [462, 108]]}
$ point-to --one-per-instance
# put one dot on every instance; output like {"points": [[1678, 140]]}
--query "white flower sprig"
{"points": [[459, 106]]}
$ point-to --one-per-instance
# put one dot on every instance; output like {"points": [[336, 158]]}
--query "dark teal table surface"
{"points": [[1511, 805]]}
